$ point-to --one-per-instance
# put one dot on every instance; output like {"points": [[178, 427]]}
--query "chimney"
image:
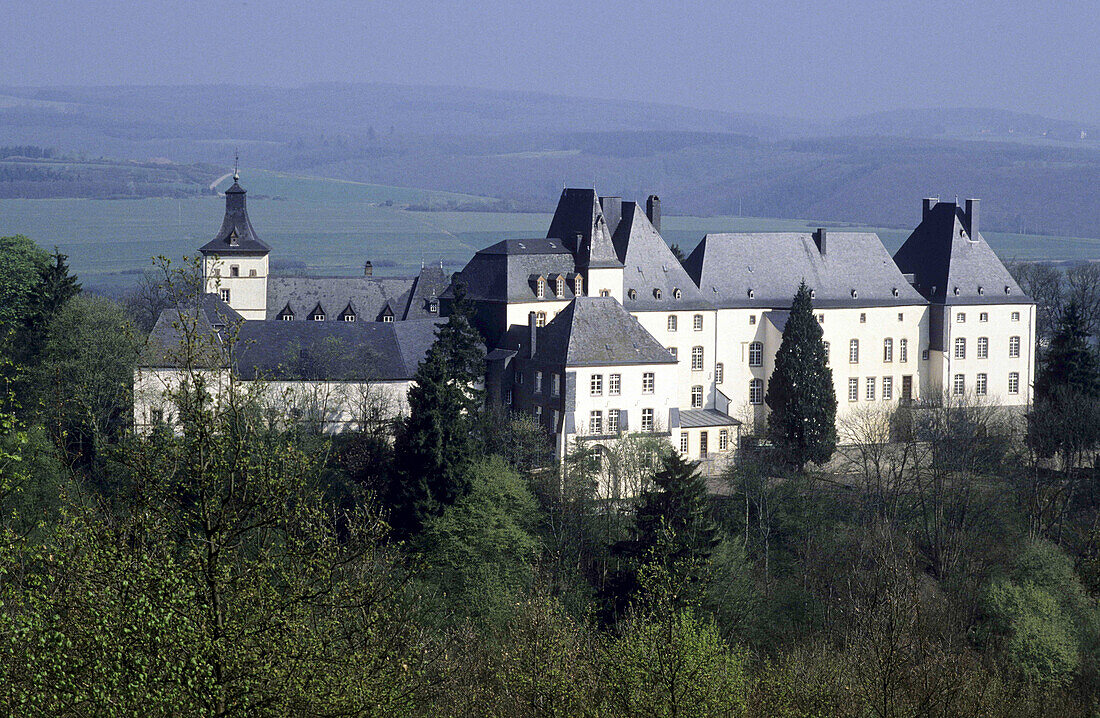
{"points": [[612, 211], [972, 215], [929, 203], [819, 240], [653, 211], [533, 331], [368, 269]]}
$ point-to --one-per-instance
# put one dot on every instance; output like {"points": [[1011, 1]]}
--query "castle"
{"points": [[597, 329]]}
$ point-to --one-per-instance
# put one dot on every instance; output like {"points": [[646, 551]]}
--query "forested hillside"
{"points": [[942, 561]]}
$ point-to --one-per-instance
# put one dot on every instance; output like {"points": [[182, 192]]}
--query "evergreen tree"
{"points": [[55, 287], [802, 423], [672, 528], [1070, 362], [436, 443]]}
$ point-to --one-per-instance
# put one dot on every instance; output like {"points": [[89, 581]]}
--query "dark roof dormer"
{"points": [[236, 235]]}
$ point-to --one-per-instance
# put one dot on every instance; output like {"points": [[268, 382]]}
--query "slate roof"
{"points": [[695, 418], [366, 295], [771, 264], [426, 288], [951, 266], [597, 331], [649, 264], [579, 213], [236, 235], [502, 272]]}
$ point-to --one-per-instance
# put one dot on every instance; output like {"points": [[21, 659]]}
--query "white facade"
{"points": [[240, 281]]}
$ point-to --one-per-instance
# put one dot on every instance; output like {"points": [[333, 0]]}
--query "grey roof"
{"points": [[579, 214], [503, 272], [597, 331], [854, 271], [649, 265], [694, 418], [204, 320], [366, 295], [426, 288], [951, 266], [236, 235], [778, 318]]}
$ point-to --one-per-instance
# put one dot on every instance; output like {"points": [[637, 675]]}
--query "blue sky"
{"points": [[827, 58]]}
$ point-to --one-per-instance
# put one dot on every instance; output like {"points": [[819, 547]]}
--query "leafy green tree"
{"points": [[802, 422], [480, 551], [54, 288], [672, 529], [20, 262]]}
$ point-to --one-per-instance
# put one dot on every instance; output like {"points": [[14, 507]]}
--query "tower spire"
{"points": [[236, 165]]}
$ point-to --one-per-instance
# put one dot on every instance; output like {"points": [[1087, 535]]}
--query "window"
{"points": [[696, 397], [559, 286], [863, 317], [752, 319], [606, 293], [853, 351], [157, 416], [723, 439], [614, 384], [756, 391], [347, 317], [387, 319], [1014, 382], [983, 317], [555, 384], [647, 419], [719, 373], [224, 295], [287, 316], [318, 316], [647, 383], [697, 358], [820, 318], [756, 354], [983, 347], [540, 319], [595, 423], [433, 306], [507, 396], [853, 389], [578, 285], [702, 444], [826, 344], [538, 382], [924, 355], [960, 348], [1014, 347], [676, 293], [597, 385], [540, 288], [252, 272], [1015, 316], [903, 350], [697, 322], [673, 351], [631, 294], [901, 316], [981, 384], [869, 388], [958, 388], [672, 322], [888, 350], [612, 421], [519, 378], [683, 442], [657, 293], [887, 388], [234, 271], [960, 318], [538, 414], [554, 419]]}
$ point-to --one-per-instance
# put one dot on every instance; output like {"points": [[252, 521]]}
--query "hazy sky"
{"points": [[830, 57]]}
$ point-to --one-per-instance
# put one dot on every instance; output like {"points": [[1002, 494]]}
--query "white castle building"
{"points": [[598, 330]]}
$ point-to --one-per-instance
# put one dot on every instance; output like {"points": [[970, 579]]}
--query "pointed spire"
{"points": [[236, 166]]}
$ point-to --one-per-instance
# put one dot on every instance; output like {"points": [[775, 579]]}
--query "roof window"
{"points": [[896, 292], [981, 290], [855, 294], [657, 292], [752, 294], [676, 293], [631, 294]]}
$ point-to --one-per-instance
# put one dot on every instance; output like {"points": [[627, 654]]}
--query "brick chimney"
{"points": [[929, 203], [653, 211], [972, 215]]}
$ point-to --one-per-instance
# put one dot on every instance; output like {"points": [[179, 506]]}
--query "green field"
{"points": [[332, 227]]}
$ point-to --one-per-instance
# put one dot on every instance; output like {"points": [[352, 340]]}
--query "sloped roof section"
{"points": [[952, 266], [649, 264], [598, 331], [236, 235], [427, 287], [580, 225], [764, 269], [502, 272], [366, 295]]}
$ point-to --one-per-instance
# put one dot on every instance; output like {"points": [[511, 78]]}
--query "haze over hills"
{"points": [[1037, 175]]}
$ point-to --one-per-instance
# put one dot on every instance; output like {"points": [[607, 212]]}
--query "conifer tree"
{"points": [[802, 423], [672, 527], [1070, 362]]}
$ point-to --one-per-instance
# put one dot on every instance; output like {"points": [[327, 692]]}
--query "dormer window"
{"points": [[855, 294], [676, 293], [286, 316], [348, 315], [433, 306], [956, 291], [559, 286], [631, 294], [540, 288], [813, 294], [1008, 289], [656, 293], [387, 319], [752, 294], [578, 285], [981, 291], [234, 238], [317, 315], [896, 292]]}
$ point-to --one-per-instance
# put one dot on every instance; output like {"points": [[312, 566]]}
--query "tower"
{"points": [[235, 262]]}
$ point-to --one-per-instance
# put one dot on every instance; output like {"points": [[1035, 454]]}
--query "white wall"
{"points": [[999, 328], [247, 292]]}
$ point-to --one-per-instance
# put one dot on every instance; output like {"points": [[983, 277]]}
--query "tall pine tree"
{"points": [[802, 423], [1070, 362], [435, 445]]}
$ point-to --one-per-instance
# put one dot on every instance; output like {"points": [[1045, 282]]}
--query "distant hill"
{"points": [[1036, 175]]}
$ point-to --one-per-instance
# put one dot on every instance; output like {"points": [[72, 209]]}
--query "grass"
{"points": [[332, 227]]}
